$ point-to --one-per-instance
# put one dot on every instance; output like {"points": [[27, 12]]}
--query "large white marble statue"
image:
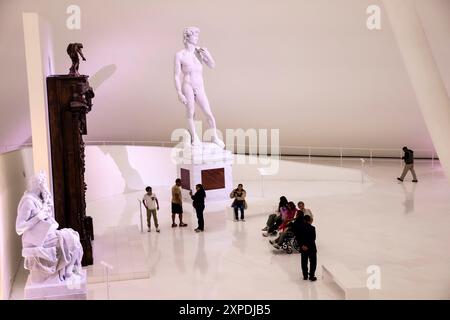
{"points": [[50, 254], [189, 82]]}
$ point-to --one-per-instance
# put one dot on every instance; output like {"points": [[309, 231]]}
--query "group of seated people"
{"points": [[290, 222], [284, 219]]}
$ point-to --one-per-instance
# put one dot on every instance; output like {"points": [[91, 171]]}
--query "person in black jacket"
{"points": [[409, 164], [306, 238], [199, 205]]}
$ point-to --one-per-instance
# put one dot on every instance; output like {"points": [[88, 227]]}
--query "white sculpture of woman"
{"points": [[49, 253], [189, 82]]}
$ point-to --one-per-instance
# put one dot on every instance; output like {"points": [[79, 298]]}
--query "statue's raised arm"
{"points": [[206, 57]]}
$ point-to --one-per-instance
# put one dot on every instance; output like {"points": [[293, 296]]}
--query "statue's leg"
{"points": [[203, 103], [188, 92]]}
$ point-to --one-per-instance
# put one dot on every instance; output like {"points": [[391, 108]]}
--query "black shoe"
{"points": [[174, 225], [183, 224], [415, 180], [305, 277], [400, 179], [312, 278]]}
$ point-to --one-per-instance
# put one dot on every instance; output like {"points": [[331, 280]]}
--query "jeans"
{"points": [[240, 207], [201, 222]]}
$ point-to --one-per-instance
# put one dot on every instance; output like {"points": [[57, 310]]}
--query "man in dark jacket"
{"points": [[199, 205], [306, 237], [409, 164]]}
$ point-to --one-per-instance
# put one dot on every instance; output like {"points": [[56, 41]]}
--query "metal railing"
{"points": [[361, 152], [284, 150]]}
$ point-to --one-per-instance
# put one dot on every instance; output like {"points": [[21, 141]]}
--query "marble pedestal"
{"points": [[206, 164], [72, 289]]}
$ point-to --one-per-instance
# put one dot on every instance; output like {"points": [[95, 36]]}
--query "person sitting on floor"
{"points": [[289, 230], [304, 211], [276, 216], [277, 220], [287, 214]]}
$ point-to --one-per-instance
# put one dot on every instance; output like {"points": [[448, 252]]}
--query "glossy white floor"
{"points": [[402, 228]]}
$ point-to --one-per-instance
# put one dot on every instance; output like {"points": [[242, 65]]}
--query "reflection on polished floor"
{"points": [[402, 228]]}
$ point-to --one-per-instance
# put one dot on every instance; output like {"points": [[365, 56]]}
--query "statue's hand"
{"points": [[182, 99], [203, 52]]}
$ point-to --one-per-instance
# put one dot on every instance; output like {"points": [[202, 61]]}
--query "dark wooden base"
{"points": [[88, 255], [69, 100]]}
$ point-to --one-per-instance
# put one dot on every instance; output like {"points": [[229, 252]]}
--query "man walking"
{"points": [[409, 164], [177, 204]]}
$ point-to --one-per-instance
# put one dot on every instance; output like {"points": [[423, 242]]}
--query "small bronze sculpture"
{"points": [[74, 49]]}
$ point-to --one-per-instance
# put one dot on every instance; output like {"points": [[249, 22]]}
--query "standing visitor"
{"points": [[239, 203], [151, 203], [177, 204], [199, 205], [306, 239]]}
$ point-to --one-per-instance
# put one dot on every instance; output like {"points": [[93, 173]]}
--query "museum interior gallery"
{"points": [[225, 150]]}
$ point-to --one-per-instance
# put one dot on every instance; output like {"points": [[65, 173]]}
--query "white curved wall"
{"points": [[112, 170], [310, 68]]}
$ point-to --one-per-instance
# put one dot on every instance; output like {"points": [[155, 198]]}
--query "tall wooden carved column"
{"points": [[69, 100]]}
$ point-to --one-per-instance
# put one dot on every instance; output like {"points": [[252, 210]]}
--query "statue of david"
{"points": [[189, 82]]}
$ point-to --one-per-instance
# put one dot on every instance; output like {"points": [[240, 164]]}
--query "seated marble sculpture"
{"points": [[50, 254], [189, 82]]}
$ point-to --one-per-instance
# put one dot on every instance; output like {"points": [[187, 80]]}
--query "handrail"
{"points": [[147, 142], [343, 151]]}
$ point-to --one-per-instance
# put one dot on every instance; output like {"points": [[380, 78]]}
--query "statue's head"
{"points": [[190, 35], [38, 182]]}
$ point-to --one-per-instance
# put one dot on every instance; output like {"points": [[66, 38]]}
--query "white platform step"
{"points": [[121, 248]]}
